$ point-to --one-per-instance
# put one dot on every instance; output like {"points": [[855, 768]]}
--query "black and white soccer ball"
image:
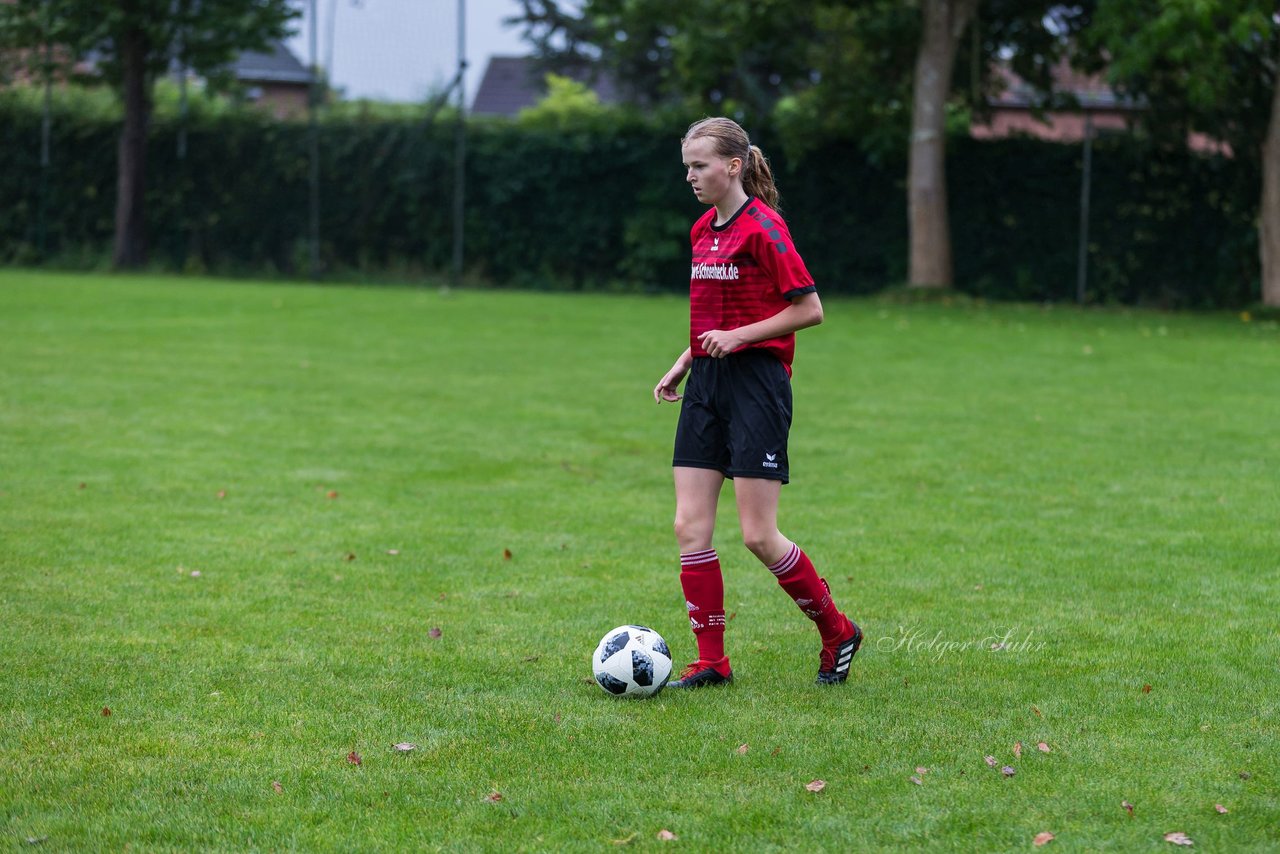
{"points": [[632, 661]]}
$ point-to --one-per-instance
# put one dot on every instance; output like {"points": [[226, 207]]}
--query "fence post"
{"points": [[1086, 181]]}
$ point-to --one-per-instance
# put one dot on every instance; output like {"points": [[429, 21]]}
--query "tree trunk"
{"points": [[944, 24], [131, 174], [1269, 232]]}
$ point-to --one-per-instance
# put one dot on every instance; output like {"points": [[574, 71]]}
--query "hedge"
{"points": [[607, 207]]}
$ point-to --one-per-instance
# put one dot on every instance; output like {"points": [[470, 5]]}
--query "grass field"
{"points": [[235, 516]]}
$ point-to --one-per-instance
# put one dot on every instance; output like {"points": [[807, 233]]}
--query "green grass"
{"points": [[1100, 486]]}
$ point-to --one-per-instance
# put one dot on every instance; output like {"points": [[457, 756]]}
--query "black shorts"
{"points": [[736, 416]]}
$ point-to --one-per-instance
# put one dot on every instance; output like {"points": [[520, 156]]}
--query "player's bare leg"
{"points": [[697, 498], [758, 513]]}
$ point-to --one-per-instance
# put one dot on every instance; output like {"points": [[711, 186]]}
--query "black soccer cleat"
{"points": [[833, 666], [702, 674]]}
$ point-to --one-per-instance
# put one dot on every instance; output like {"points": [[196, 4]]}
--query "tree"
{"points": [[1209, 67], [736, 56], [133, 42], [882, 71], [944, 22]]}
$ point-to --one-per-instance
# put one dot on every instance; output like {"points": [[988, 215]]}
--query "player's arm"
{"points": [[666, 387], [804, 311]]}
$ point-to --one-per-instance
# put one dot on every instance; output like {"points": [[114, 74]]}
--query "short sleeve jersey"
{"points": [[744, 271]]}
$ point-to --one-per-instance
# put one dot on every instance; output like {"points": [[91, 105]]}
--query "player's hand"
{"points": [[666, 387], [719, 343]]}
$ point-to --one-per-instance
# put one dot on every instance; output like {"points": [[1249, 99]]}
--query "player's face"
{"points": [[711, 175]]}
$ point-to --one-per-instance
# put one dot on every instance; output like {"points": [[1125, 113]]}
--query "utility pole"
{"points": [[460, 148], [313, 134], [46, 131]]}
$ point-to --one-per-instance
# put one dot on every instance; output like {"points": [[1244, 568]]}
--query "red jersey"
{"points": [[744, 271]]}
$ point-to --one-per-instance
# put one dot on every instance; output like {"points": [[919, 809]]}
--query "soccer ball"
{"points": [[632, 661]]}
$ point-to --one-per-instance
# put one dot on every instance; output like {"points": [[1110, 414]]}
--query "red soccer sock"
{"points": [[704, 597], [796, 575]]}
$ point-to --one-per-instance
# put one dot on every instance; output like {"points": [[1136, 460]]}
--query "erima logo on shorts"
{"points": [[770, 461]]}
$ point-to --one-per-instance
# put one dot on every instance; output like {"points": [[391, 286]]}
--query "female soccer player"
{"points": [[748, 294]]}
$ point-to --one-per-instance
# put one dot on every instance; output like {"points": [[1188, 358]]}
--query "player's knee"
{"points": [[761, 542], [691, 531]]}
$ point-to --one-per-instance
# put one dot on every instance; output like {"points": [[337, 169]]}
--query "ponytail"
{"points": [[757, 178], [732, 141]]}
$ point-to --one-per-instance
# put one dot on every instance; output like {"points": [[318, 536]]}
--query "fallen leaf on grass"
{"points": [[1128, 807], [1146, 689], [351, 555], [1042, 747], [991, 760], [434, 632], [731, 616], [275, 784], [405, 746], [84, 486], [742, 749], [1178, 838], [506, 554], [354, 758], [1017, 750], [1008, 770], [1221, 809], [106, 713], [775, 751], [1245, 775], [333, 493], [816, 785], [667, 836], [493, 797], [1037, 711], [222, 493], [1042, 839]]}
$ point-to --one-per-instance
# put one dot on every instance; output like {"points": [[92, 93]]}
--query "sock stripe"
{"points": [[699, 558], [787, 562]]}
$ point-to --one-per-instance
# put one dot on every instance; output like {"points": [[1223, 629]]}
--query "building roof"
{"points": [[512, 83], [1090, 91], [275, 65]]}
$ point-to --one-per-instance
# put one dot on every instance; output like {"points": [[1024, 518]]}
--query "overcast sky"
{"points": [[404, 50]]}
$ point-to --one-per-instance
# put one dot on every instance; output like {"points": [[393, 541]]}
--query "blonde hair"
{"points": [[732, 141]]}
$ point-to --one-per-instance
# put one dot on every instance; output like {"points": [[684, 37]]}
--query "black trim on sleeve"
{"points": [[733, 218], [799, 292]]}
